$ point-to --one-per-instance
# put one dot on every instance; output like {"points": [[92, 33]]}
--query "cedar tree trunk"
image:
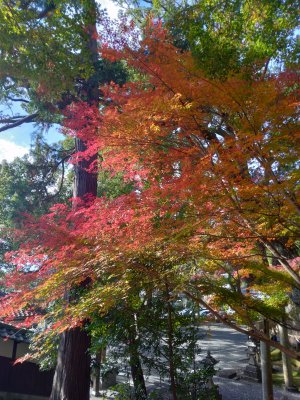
{"points": [[72, 374]]}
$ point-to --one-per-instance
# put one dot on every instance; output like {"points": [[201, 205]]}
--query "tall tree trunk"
{"points": [[72, 374], [266, 366], [137, 374]]}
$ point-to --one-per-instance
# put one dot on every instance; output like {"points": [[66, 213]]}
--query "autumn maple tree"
{"points": [[214, 171], [224, 154]]}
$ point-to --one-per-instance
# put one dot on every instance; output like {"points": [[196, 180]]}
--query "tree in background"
{"points": [[227, 36], [33, 183]]}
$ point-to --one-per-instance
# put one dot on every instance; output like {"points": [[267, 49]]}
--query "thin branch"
{"points": [[61, 184], [62, 162], [255, 333], [9, 120], [17, 99], [27, 119]]}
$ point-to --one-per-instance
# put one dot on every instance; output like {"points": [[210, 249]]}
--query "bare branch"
{"points": [[17, 99], [255, 333], [62, 162], [9, 120], [20, 121]]}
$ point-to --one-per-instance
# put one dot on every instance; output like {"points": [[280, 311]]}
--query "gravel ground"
{"points": [[242, 390], [232, 390]]}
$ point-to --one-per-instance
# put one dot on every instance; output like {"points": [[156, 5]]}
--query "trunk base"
{"points": [[72, 374]]}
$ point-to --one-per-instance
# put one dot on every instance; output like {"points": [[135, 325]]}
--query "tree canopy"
{"points": [[215, 178], [199, 164]]}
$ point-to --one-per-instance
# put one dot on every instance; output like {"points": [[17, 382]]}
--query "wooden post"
{"points": [[286, 361], [170, 338], [97, 373], [266, 366]]}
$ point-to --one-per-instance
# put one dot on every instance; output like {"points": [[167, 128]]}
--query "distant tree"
{"points": [[33, 183], [227, 36]]}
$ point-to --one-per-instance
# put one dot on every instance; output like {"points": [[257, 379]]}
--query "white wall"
{"points": [[22, 349], [6, 347]]}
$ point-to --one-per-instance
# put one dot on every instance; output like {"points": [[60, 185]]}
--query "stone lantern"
{"points": [[208, 364], [252, 372]]}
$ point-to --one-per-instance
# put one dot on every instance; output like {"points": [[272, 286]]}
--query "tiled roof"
{"points": [[13, 333], [21, 315]]}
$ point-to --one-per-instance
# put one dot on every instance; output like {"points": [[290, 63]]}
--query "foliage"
{"points": [[46, 62], [44, 347], [49, 58], [113, 186], [226, 36], [239, 117], [33, 183], [215, 166], [144, 305], [221, 177], [123, 391]]}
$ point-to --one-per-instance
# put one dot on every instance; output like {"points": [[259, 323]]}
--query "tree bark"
{"points": [[97, 373], [85, 183], [72, 374], [266, 366]]}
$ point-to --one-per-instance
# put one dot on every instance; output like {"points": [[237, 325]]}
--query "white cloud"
{"points": [[9, 150]]}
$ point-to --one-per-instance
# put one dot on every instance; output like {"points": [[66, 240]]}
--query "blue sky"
{"points": [[16, 142]]}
